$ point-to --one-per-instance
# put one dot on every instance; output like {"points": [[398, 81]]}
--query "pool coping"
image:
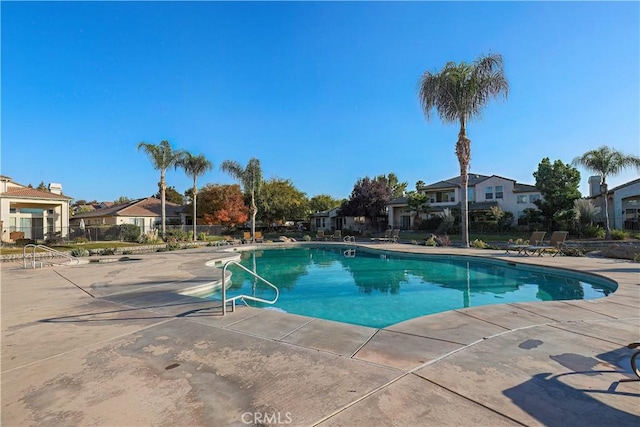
{"points": [[404, 352]]}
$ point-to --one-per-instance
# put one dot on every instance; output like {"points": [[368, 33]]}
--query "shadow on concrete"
{"points": [[117, 315], [559, 403]]}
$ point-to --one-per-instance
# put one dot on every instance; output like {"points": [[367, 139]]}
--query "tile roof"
{"points": [[142, 207], [32, 193]]}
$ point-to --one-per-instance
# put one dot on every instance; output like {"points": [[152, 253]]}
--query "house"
{"points": [[30, 213], [330, 220], [623, 203], [483, 192], [145, 213]]}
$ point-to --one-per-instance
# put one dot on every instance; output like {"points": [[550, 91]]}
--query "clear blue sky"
{"points": [[322, 93]]}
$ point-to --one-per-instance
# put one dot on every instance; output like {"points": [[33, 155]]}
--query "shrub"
{"points": [[430, 241], [108, 251], [148, 239], [80, 240], [637, 258], [619, 234], [306, 238], [203, 236], [594, 231], [129, 232], [478, 244], [127, 252], [79, 252], [177, 234]]}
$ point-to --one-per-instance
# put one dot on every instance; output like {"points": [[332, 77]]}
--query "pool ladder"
{"points": [[53, 252], [233, 300]]}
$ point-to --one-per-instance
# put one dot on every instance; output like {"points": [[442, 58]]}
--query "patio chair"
{"points": [[320, 235], [337, 235], [556, 243], [246, 236], [536, 239], [386, 238], [395, 235], [258, 237]]}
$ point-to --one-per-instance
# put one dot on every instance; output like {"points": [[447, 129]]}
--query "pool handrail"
{"points": [[46, 249], [242, 296]]}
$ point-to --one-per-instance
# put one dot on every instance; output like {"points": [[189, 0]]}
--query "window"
{"points": [[522, 199], [470, 196], [488, 193], [499, 191], [12, 210], [534, 197]]}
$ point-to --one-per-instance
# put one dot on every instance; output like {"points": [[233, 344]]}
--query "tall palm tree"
{"points": [[163, 156], [606, 161], [458, 93], [250, 178], [194, 166]]}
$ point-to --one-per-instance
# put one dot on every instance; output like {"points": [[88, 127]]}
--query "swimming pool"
{"points": [[377, 289]]}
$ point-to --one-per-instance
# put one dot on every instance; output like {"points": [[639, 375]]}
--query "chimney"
{"points": [[594, 185], [55, 188]]}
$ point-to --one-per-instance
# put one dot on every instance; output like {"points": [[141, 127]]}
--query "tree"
{"points": [[250, 178], [162, 156], [171, 195], [369, 198], [418, 204], [606, 161], [397, 189], [194, 166], [122, 200], [323, 202], [458, 93], [281, 201], [222, 204], [42, 186], [558, 183]]}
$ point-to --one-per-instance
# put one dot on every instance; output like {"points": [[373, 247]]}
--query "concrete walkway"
{"points": [[114, 345]]}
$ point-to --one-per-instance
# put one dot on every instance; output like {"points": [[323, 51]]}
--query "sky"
{"points": [[322, 93]]}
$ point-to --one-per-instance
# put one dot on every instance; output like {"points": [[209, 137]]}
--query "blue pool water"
{"points": [[378, 290]]}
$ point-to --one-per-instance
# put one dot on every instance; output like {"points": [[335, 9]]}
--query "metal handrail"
{"points": [[241, 296], [46, 249]]}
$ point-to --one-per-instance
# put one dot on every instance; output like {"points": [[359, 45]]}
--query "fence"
{"points": [[123, 232]]}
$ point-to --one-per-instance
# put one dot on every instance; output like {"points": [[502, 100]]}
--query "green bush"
{"points": [[108, 251], [177, 234], [430, 241], [594, 232], [619, 234], [478, 244], [130, 232], [79, 252], [80, 240], [203, 236], [306, 238]]}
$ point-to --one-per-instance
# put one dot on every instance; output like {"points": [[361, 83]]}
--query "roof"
{"points": [[475, 179], [524, 188], [149, 207], [473, 206], [454, 182], [626, 184], [32, 193]]}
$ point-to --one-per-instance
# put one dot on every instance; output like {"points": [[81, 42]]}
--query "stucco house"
{"points": [[330, 220], [623, 203], [483, 191], [145, 213], [30, 213]]}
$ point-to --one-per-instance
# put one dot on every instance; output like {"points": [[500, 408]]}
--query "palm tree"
{"points": [[163, 157], [458, 93], [194, 166], [606, 161], [251, 180]]}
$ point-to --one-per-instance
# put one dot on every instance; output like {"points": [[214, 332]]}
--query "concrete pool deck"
{"points": [[114, 345]]}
